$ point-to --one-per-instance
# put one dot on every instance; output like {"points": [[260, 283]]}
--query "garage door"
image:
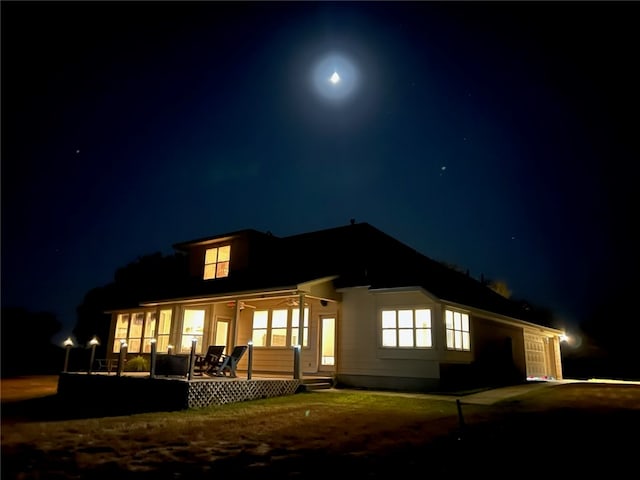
{"points": [[535, 355]]}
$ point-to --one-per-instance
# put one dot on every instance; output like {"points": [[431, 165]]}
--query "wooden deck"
{"points": [[138, 392]]}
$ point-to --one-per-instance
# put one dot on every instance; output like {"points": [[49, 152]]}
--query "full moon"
{"points": [[335, 77]]}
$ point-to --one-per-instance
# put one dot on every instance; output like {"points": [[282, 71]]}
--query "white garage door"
{"points": [[535, 355]]}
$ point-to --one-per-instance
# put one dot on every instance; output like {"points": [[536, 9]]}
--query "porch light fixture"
{"points": [[68, 343], [564, 338]]}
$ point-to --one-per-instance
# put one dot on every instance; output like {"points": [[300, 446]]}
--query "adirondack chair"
{"points": [[229, 363], [209, 361]]}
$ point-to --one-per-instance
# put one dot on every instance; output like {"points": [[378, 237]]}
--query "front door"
{"points": [[327, 343], [221, 336]]}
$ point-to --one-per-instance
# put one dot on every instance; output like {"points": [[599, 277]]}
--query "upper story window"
{"points": [[407, 328], [457, 330], [216, 262]]}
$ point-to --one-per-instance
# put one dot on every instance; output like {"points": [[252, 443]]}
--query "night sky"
{"points": [[498, 137]]}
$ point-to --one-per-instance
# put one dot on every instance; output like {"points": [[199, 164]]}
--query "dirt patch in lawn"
{"points": [[572, 429]]}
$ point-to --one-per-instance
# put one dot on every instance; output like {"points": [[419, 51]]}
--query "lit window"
{"points": [[457, 330], [407, 328], [122, 328], [260, 324], [216, 262], [271, 328], [295, 327], [139, 328], [192, 329], [149, 332], [164, 330], [279, 328]]}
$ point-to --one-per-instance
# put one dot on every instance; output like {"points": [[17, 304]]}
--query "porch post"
{"points": [[152, 359], [93, 343], [122, 357], [234, 325], [298, 364], [297, 371], [192, 358]]}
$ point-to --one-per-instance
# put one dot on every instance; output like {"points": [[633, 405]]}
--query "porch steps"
{"points": [[310, 384]]}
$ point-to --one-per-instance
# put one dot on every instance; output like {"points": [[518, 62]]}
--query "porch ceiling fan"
{"points": [[292, 302], [243, 305]]}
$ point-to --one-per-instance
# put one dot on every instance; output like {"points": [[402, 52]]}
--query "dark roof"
{"points": [[359, 255]]}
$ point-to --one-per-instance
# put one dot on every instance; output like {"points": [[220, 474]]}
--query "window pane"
{"points": [[211, 255], [405, 319], [279, 337], [388, 338], [150, 325], [423, 337], [260, 318], [450, 343], [279, 319], [165, 322], [465, 322], [448, 318], [224, 254], [405, 337], [388, 319], [423, 318], [466, 344], [209, 271], [259, 338], [134, 345], [193, 322], [122, 326], [457, 321], [222, 270], [136, 326]]}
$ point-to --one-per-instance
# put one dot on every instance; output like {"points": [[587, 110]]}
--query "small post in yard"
{"points": [[192, 357], [250, 359], [93, 343], [68, 343], [460, 419], [122, 356], [296, 362], [152, 360]]}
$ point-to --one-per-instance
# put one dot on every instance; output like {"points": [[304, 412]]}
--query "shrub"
{"points": [[137, 364]]}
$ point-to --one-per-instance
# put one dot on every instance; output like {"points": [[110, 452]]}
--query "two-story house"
{"points": [[360, 305]]}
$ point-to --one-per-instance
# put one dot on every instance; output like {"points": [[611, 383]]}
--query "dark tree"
{"points": [[149, 277], [26, 342]]}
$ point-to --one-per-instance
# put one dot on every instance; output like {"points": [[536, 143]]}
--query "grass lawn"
{"points": [[567, 429]]}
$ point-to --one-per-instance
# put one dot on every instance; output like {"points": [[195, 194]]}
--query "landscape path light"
{"points": [[68, 343], [94, 342]]}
